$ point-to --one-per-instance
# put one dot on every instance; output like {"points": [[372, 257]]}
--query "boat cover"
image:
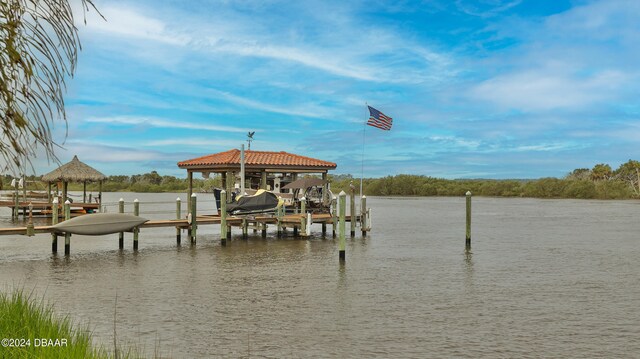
{"points": [[99, 223], [262, 201]]}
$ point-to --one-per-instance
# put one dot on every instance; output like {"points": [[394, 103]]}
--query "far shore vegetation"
{"points": [[599, 182]]}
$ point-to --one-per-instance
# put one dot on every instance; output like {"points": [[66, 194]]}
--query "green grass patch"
{"points": [[30, 329]]}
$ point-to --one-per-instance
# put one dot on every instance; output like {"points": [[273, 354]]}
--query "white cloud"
{"points": [[161, 123], [533, 90]]}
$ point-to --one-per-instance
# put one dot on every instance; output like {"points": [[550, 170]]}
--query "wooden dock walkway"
{"points": [[289, 220]]}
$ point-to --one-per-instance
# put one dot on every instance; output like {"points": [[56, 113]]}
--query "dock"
{"points": [[300, 222]]}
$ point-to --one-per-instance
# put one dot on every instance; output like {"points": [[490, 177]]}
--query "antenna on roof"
{"points": [[250, 138]]}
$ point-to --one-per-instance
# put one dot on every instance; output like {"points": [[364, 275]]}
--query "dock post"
{"points": [[178, 215], [194, 222], [303, 211], [264, 230], [363, 215], [30, 229], [308, 224], [245, 228], [16, 208], [468, 236], [352, 210], [334, 215], [324, 229], [223, 218], [121, 234], [136, 231], [54, 221], [279, 217], [341, 228], [67, 235]]}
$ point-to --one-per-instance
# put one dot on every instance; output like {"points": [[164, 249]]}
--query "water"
{"points": [[545, 278]]}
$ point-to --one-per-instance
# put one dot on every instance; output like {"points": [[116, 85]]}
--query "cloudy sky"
{"points": [[482, 88]]}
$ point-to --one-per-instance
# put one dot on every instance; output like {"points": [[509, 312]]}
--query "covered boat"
{"points": [[261, 202]]}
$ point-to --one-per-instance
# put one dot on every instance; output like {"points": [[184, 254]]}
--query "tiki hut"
{"points": [[75, 171]]}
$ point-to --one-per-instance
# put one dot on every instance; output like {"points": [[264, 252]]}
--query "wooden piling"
{"points": [[308, 225], [178, 216], [279, 213], [223, 218], [334, 215], [468, 236], [245, 229], [352, 209], [30, 229], [264, 230], [194, 214], [342, 199], [303, 219], [67, 236], [136, 230], [54, 221], [363, 215], [121, 234], [16, 207]]}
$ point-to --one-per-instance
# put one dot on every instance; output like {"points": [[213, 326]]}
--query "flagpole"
{"points": [[364, 131]]}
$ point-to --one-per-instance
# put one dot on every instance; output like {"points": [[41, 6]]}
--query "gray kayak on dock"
{"points": [[99, 223]]}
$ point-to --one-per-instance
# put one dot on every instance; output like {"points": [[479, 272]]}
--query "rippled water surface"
{"points": [[545, 278]]}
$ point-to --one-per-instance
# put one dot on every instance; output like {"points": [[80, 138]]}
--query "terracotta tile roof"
{"points": [[256, 158]]}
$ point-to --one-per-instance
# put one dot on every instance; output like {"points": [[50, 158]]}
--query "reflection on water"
{"points": [[543, 279]]}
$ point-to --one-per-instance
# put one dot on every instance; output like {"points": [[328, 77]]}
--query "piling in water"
{"points": [[178, 215], [352, 209], [54, 221], [363, 215], [334, 215], [194, 222], [342, 199], [67, 236], [468, 234], [223, 217], [121, 234], [136, 230]]}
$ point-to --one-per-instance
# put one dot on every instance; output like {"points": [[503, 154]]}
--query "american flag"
{"points": [[379, 119]]}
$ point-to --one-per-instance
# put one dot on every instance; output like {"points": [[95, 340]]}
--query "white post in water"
{"points": [[468, 236], [193, 214], [342, 204], [242, 170], [178, 215], [54, 221], [67, 235], [136, 231], [363, 215], [223, 218], [334, 215], [121, 234]]}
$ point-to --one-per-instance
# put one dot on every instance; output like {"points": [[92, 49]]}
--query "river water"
{"points": [[544, 278]]}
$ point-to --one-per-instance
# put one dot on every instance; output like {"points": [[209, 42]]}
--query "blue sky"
{"points": [[477, 89]]}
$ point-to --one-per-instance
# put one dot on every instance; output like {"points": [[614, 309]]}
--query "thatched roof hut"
{"points": [[75, 171]]}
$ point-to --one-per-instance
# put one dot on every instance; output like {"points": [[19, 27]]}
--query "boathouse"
{"points": [[262, 169]]}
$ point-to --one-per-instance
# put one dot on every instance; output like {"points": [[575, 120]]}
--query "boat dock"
{"points": [[300, 223]]}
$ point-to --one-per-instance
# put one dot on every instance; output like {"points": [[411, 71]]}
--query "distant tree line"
{"points": [[599, 182]]}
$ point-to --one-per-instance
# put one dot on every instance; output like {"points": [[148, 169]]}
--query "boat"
{"points": [[261, 202], [312, 189], [99, 223]]}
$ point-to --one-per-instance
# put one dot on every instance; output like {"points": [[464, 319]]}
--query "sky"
{"points": [[477, 89]]}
